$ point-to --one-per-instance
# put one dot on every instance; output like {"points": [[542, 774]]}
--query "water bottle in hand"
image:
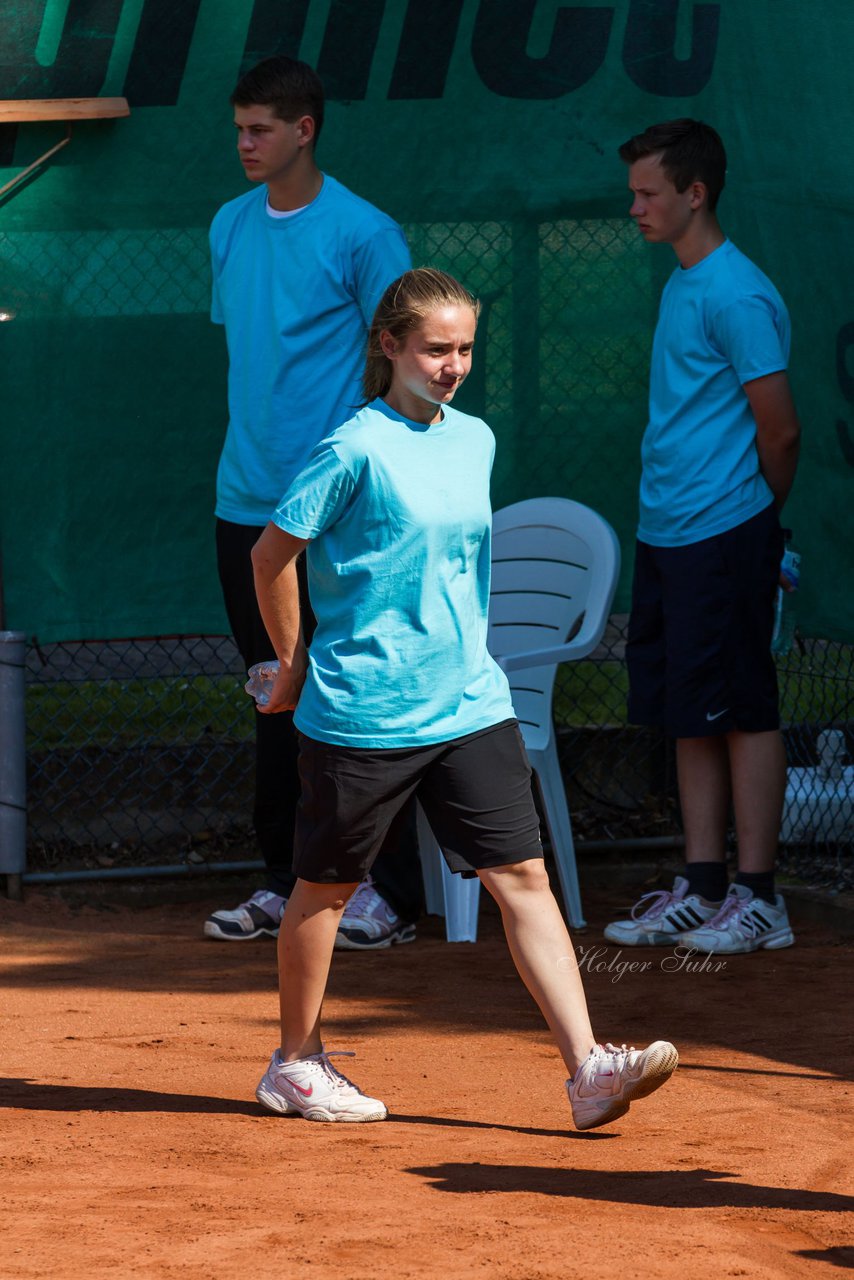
{"points": [[784, 607], [262, 677]]}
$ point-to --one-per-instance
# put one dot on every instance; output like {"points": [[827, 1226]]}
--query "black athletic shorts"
{"points": [[475, 792], [699, 642]]}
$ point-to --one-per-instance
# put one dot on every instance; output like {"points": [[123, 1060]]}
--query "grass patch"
{"points": [[70, 715], [590, 693], [816, 687]]}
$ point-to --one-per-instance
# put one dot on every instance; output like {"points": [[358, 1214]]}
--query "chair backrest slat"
{"points": [[553, 562]]}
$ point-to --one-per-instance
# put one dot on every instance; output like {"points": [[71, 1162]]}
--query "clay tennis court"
{"points": [[132, 1144]]}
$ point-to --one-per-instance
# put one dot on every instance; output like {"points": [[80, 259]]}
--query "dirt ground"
{"points": [[132, 1145]]}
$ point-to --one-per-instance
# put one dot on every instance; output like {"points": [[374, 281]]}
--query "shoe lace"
{"points": [[658, 900], [361, 899], [337, 1077], [612, 1051], [736, 911]]}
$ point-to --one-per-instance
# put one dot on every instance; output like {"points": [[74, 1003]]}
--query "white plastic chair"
{"points": [[555, 565]]}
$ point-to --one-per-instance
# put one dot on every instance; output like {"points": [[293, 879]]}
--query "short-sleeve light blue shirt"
{"points": [[721, 324], [297, 296], [399, 523]]}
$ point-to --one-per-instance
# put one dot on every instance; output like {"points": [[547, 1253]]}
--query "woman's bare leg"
{"points": [[543, 953], [306, 939]]}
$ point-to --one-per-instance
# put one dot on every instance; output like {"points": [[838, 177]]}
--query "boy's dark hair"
{"points": [[291, 88], [690, 152]]}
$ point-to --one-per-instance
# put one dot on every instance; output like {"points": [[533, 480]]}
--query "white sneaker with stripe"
{"points": [[260, 914], [662, 918], [744, 923], [610, 1078], [313, 1088]]}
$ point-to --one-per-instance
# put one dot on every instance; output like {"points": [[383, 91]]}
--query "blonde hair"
{"points": [[405, 305]]}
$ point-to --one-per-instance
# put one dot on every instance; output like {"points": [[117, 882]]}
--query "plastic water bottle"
{"points": [[784, 607], [262, 677]]}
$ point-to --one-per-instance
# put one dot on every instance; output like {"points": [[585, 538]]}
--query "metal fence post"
{"points": [[13, 760]]}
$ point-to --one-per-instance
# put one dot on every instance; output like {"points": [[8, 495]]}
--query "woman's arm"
{"points": [[274, 563]]}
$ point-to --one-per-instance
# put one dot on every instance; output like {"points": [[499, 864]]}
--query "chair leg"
{"points": [[548, 775], [462, 902], [431, 866], [445, 894]]}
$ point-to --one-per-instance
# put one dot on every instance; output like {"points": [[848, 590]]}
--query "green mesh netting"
{"points": [[489, 128]]}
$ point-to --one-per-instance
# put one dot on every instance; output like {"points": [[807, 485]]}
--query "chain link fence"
{"points": [[142, 752], [138, 752]]}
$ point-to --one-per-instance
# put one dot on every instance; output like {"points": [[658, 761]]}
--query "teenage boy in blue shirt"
{"points": [[299, 264], [719, 458]]}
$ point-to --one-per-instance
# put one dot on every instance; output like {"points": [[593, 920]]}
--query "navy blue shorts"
{"points": [[699, 643], [475, 792]]}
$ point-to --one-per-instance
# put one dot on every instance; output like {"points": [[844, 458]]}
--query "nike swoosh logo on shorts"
{"points": [[717, 714]]}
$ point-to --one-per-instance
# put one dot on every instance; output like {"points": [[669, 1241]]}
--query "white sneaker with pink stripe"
{"points": [[313, 1088], [610, 1079]]}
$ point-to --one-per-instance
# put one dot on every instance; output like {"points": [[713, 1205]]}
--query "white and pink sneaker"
{"points": [[311, 1087], [611, 1078]]}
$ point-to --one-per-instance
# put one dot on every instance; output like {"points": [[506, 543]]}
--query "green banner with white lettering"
{"points": [[489, 129]]}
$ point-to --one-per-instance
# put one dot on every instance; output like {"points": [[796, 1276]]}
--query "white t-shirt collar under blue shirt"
{"points": [[284, 213]]}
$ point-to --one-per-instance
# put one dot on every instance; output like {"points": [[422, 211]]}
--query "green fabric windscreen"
{"points": [[489, 129]]}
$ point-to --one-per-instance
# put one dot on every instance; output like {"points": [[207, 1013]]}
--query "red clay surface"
{"points": [[132, 1144]]}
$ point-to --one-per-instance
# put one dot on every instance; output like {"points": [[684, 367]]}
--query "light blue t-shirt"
{"points": [[721, 324], [297, 296], [400, 525]]}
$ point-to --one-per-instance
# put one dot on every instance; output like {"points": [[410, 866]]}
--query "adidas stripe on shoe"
{"points": [[744, 923], [661, 918]]}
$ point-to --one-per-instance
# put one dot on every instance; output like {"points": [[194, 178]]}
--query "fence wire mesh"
{"points": [[138, 751], [142, 752]]}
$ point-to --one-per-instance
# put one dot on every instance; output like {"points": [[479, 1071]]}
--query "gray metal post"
{"points": [[13, 760]]}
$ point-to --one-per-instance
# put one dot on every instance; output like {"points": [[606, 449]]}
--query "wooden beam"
{"points": [[23, 110]]}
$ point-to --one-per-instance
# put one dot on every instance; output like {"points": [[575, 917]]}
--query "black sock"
{"points": [[760, 883], [707, 879]]}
